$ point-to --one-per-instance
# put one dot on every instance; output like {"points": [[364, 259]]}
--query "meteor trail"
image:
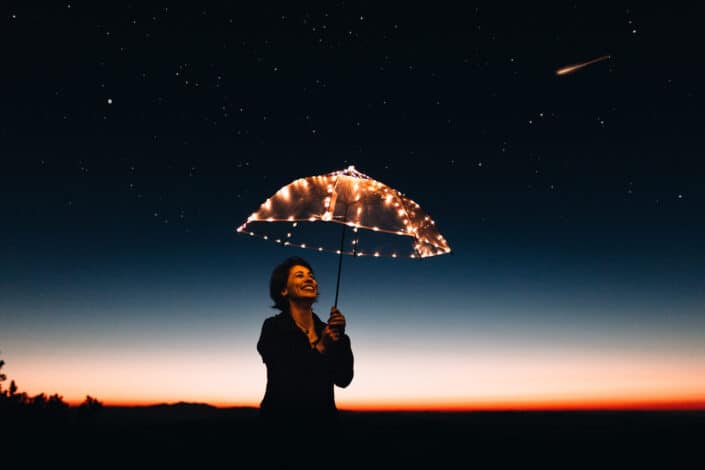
{"points": [[573, 68]]}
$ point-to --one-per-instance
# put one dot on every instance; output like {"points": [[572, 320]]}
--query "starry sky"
{"points": [[137, 136]]}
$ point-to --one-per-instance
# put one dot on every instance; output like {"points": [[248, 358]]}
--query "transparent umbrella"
{"points": [[384, 221]]}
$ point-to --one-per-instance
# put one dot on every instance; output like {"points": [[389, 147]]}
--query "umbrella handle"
{"points": [[340, 265]]}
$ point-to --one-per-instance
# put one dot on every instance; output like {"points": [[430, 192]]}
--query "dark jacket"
{"points": [[300, 379]]}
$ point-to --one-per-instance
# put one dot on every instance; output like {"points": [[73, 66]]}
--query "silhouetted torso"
{"points": [[300, 379]]}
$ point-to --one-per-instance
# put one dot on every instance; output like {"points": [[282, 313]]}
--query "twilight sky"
{"points": [[136, 138]]}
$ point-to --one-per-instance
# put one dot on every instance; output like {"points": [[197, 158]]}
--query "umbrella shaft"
{"points": [[340, 265]]}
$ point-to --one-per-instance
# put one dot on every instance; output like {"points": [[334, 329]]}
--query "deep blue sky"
{"points": [[136, 138]]}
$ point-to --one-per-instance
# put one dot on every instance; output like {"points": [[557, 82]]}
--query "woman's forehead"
{"points": [[296, 268]]}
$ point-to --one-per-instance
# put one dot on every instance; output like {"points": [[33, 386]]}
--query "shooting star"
{"points": [[573, 68]]}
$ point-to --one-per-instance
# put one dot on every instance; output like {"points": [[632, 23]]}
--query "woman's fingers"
{"points": [[331, 333], [336, 322]]}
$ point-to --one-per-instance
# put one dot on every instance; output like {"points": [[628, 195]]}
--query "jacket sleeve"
{"points": [[341, 362], [269, 346]]}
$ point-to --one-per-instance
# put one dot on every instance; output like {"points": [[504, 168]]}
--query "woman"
{"points": [[304, 356]]}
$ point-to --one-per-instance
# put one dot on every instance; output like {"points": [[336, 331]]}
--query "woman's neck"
{"points": [[302, 313]]}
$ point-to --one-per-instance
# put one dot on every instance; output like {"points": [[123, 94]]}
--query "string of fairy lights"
{"points": [[320, 198]]}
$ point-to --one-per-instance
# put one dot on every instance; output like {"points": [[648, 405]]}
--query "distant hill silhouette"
{"points": [[181, 411]]}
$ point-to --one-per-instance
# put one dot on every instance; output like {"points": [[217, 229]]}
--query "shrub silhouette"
{"points": [[91, 404], [20, 406], [89, 409]]}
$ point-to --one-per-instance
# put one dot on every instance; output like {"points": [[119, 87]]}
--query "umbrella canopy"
{"points": [[352, 199]]}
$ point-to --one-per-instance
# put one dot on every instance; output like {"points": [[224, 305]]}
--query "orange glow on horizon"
{"points": [[428, 406], [506, 378], [538, 405]]}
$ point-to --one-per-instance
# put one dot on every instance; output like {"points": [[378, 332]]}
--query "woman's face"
{"points": [[301, 284]]}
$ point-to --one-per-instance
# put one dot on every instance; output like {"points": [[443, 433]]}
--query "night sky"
{"points": [[135, 138]]}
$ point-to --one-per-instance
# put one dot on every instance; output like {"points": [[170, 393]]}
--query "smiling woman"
{"points": [[305, 357]]}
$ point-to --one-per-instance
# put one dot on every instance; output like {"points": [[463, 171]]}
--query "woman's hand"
{"points": [[334, 329], [336, 321]]}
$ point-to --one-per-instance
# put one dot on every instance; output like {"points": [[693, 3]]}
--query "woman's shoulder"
{"points": [[280, 317]]}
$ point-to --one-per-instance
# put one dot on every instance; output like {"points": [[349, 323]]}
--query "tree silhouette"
{"points": [[20, 405], [89, 409], [91, 404]]}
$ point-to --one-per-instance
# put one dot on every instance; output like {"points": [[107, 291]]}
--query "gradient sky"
{"points": [[135, 139]]}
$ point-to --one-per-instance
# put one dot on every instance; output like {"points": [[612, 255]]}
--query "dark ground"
{"points": [[200, 436]]}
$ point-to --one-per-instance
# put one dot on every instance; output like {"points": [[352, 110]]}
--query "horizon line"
{"points": [[676, 405]]}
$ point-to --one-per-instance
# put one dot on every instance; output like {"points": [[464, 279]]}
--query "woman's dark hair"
{"points": [[278, 281]]}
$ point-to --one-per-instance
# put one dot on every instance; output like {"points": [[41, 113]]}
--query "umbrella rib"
{"points": [[415, 235]]}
